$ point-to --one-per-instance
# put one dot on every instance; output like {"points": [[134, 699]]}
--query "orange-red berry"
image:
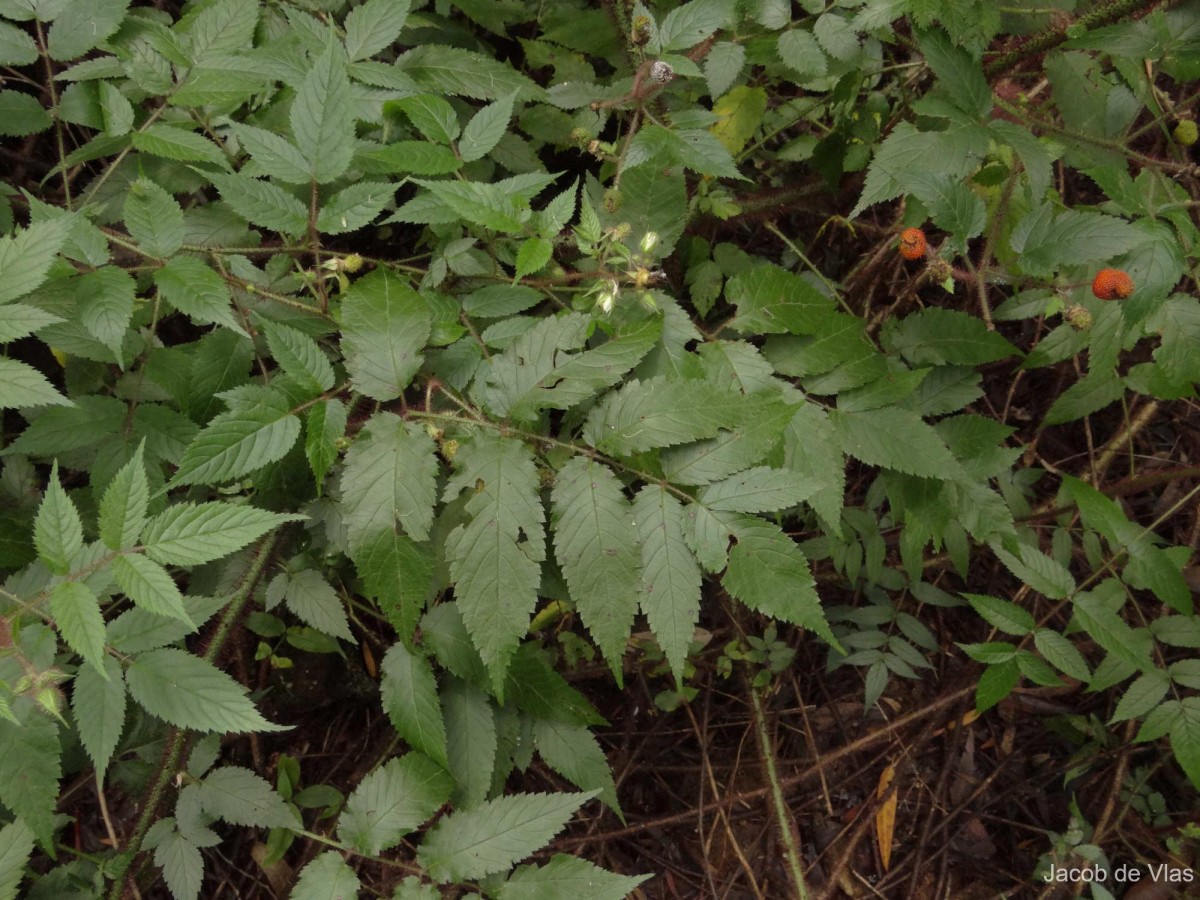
{"points": [[912, 243], [1112, 284]]}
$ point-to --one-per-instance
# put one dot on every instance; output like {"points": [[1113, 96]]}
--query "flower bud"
{"points": [[1186, 132], [662, 72], [352, 263], [649, 242], [1078, 318]]}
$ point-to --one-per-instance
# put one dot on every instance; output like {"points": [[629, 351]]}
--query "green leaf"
{"points": [[740, 114], [273, 154], [748, 442], [1045, 575], [431, 115], [324, 424], [322, 116], [190, 534], [495, 558], [115, 110], [57, 530], [374, 26], [996, 683], [957, 72], [16, 49], [1143, 694], [83, 25], [1185, 738], [413, 157], [326, 877], [300, 357], [937, 336], [105, 302], [237, 442], [21, 321], [22, 386], [240, 797], [169, 142], [449, 70], [471, 741], [1002, 614], [661, 412], [410, 699], [25, 259], [316, 603], [487, 205], [32, 766], [811, 448], [397, 574], [149, 585], [905, 154], [1089, 394], [98, 704], [355, 206], [533, 686], [758, 490], [535, 252], [895, 439], [385, 324], [192, 287], [801, 53], [485, 129], [76, 611], [1112, 633], [190, 692], [181, 863], [723, 65], [490, 838], [262, 203], [770, 300], [123, 508], [392, 801], [1046, 241], [21, 114], [768, 573], [538, 370], [16, 840], [574, 753], [595, 548], [695, 148], [568, 876], [687, 25], [390, 475], [1062, 654]]}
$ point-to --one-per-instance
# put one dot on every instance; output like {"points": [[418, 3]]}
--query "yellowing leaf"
{"points": [[885, 817], [741, 112]]}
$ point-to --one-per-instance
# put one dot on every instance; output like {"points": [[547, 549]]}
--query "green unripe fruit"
{"points": [[1186, 132]]}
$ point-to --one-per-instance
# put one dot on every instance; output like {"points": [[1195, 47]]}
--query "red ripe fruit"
{"points": [[912, 243], [1112, 284]]}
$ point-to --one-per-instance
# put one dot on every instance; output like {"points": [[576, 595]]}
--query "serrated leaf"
{"points": [[1045, 575], [198, 292], [535, 252], [471, 741], [240, 797], [22, 114], [661, 412], [595, 548], [811, 448], [392, 801], [316, 603], [1143, 694], [895, 439], [23, 386], [190, 534], [905, 153], [538, 370], [105, 302], [723, 65], [801, 53], [390, 475], [16, 844], [1112, 633], [1045, 240], [732, 450], [574, 753], [996, 683], [98, 704], [82, 25], [174, 143], [355, 206], [757, 490], [488, 205], [57, 529], [670, 590], [490, 838], [21, 320], [410, 699], [327, 877], [262, 203], [153, 218], [239, 441], [274, 154], [485, 129], [190, 692], [324, 424], [322, 116], [771, 300], [1002, 614], [385, 324], [150, 586], [937, 336], [32, 753], [495, 559], [412, 157], [116, 111], [957, 72], [76, 611], [181, 864], [1062, 654], [689, 24], [568, 876], [1089, 394], [123, 508], [431, 115], [300, 357], [450, 70], [768, 572], [1185, 738], [373, 26], [397, 574], [26, 257], [16, 48]]}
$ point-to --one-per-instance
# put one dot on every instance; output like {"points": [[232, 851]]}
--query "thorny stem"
{"points": [[58, 125], [782, 817]]}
